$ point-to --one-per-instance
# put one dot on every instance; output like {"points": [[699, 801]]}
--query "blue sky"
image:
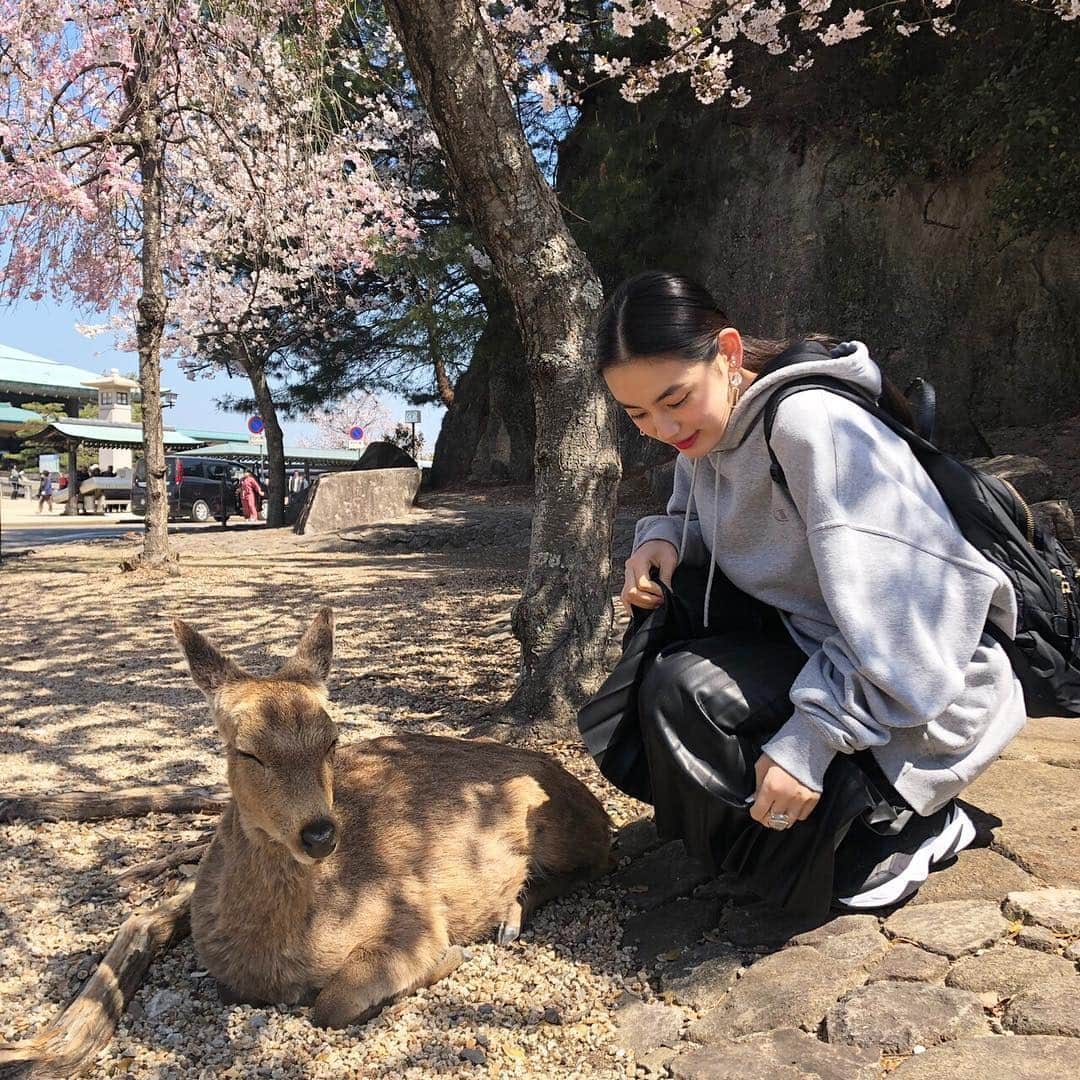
{"points": [[48, 329]]}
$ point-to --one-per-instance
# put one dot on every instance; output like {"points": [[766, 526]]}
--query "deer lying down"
{"points": [[355, 875]]}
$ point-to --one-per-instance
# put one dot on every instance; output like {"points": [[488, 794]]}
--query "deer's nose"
{"points": [[319, 838]]}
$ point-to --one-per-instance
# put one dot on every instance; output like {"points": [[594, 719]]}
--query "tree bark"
{"points": [[564, 615], [438, 363], [69, 1045], [72, 506], [150, 322], [96, 805], [490, 433], [275, 442], [187, 855]]}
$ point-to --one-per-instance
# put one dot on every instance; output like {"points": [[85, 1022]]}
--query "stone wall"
{"points": [[343, 499], [918, 195]]}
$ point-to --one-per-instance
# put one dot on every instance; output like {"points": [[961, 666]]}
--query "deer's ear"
{"points": [[310, 664], [210, 669]]}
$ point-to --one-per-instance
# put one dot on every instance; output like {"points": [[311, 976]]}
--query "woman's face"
{"points": [[683, 404]]}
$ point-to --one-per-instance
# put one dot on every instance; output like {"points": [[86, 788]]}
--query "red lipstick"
{"points": [[687, 443]]}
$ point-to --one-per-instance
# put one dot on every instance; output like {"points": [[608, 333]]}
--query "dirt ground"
{"points": [[94, 694]]}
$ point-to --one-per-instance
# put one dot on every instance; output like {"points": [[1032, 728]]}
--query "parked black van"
{"points": [[194, 486]]}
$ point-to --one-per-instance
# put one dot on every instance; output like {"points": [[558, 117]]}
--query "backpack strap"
{"points": [[919, 445]]}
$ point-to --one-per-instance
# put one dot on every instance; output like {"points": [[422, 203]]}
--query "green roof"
{"points": [[103, 435], [24, 373], [203, 435], [294, 455], [12, 414]]}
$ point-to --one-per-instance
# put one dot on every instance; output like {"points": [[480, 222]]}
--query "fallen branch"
{"points": [[97, 805], [70, 1044], [190, 853]]}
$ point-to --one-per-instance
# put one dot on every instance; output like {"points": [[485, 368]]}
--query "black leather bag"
{"points": [[609, 721], [708, 706], [680, 724]]}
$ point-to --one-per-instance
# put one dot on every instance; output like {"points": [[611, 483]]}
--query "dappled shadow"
{"points": [[94, 693]]}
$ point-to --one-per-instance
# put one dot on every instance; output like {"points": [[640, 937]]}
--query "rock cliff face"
{"points": [[798, 242], [920, 195], [487, 435]]}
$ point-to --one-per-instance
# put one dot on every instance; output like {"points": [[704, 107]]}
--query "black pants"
{"points": [[706, 708]]}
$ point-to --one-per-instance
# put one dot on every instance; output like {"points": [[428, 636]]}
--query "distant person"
{"points": [[81, 476], [45, 491], [250, 493], [296, 482], [16, 479]]}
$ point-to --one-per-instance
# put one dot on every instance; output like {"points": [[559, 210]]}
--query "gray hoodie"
{"points": [[872, 577]]}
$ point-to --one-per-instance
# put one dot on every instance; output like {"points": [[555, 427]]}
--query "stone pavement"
{"points": [[976, 978]]}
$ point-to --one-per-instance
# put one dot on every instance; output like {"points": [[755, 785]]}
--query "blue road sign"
{"points": [[256, 425], [356, 433]]}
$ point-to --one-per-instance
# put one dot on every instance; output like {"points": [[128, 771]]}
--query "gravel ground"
{"points": [[94, 694]]}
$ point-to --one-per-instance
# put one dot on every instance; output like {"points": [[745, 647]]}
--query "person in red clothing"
{"points": [[250, 491]]}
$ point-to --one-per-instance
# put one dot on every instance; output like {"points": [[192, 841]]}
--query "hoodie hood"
{"points": [[849, 361]]}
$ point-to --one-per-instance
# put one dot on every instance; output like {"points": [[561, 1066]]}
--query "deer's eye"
{"points": [[250, 757]]}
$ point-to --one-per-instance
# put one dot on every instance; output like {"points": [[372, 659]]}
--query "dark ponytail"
{"points": [[660, 314]]}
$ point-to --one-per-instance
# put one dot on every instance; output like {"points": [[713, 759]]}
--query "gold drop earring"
{"points": [[735, 381]]}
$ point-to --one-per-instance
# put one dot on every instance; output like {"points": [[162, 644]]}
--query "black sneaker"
{"points": [[874, 871]]}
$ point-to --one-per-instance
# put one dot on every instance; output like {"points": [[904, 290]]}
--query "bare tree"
{"points": [[563, 617]]}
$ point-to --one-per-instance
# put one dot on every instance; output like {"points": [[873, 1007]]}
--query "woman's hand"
{"points": [[639, 589], [778, 792]]}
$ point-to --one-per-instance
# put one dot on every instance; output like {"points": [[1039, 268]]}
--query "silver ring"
{"points": [[779, 821]]}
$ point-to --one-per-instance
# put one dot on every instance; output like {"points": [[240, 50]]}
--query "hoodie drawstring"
{"points": [[712, 546], [686, 530]]}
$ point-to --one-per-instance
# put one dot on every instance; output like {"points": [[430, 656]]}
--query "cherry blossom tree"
{"points": [[556, 49], [83, 130], [167, 159], [334, 421], [281, 221], [99, 103]]}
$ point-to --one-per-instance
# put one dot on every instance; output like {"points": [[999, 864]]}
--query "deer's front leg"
{"points": [[374, 974]]}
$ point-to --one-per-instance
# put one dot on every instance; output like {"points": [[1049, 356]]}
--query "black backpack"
{"points": [[996, 521]]}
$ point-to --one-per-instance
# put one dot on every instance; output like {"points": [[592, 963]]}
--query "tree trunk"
{"points": [[445, 388], [563, 618], [150, 323], [72, 506], [490, 432], [275, 442], [127, 802]]}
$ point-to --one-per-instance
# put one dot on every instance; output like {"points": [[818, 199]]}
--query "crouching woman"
{"points": [[894, 697]]}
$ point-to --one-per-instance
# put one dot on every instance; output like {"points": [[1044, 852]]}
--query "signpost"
{"points": [[412, 418], [356, 437], [257, 436]]}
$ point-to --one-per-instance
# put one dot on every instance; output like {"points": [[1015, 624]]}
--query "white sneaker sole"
{"points": [[959, 832]]}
